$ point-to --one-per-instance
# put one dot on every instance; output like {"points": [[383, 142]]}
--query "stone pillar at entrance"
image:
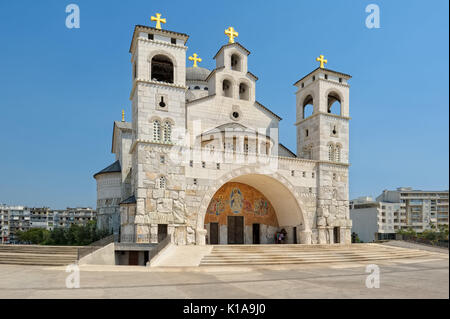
{"points": [[200, 236], [331, 234], [322, 235], [154, 233], [346, 235], [305, 237]]}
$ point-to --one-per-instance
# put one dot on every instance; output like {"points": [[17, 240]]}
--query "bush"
{"points": [[76, 235]]}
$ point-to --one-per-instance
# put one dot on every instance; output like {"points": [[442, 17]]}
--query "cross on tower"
{"points": [[231, 33], [195, 58], [322, 61], [158, 20]]}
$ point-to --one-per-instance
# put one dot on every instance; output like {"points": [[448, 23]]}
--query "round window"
{"points": [[235, 115]]}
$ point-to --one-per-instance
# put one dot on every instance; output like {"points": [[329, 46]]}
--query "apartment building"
{"points": [[421, 209], [21, 218], [398, 209], [13, 219], [79, 216]]}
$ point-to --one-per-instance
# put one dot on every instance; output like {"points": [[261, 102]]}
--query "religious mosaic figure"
{"points": [[236, 200], [217, 206], [261, 207], [248, 208]]}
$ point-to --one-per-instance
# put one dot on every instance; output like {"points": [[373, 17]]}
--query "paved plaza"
{"points": [[406, 278]]}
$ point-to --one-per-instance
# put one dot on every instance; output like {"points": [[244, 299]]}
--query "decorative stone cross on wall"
{"points": [[158, 20], [231, 33], [195, 58]]}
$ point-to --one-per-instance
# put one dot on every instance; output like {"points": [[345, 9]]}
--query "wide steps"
{"points": [[302, 254], [38, 255]]}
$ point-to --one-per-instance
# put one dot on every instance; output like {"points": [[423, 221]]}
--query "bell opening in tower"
{"points": [[162, 69]]}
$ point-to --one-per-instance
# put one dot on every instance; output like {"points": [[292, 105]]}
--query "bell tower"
{"points": [[158, 82], [158, 96], [323, 115]]}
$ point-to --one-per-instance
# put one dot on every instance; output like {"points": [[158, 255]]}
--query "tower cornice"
{"points": [[156, 83], [325, 114]]}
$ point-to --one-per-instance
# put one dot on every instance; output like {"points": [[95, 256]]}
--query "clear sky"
{"points": [[61, 89]]}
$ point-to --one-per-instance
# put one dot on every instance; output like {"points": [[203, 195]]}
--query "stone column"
{"points": [[200, 237], [346, 235], [322, 235], [305, 237], [331, 234], [170, 232], [154, 233]]}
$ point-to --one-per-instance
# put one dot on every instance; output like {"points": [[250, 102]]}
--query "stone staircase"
{"points": [[245, 255], [38, 255]]}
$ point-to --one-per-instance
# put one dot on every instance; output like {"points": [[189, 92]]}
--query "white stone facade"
{"points": [[189, 136]]}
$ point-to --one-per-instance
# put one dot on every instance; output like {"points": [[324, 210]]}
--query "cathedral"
{"points": [[200, 161]]}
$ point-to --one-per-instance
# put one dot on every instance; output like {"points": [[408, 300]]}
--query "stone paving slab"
{"points": [[412, 278]]}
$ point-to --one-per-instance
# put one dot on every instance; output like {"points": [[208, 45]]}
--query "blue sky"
{"points": [[61, 89]]}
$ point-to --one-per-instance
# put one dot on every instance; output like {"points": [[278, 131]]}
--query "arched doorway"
{"points": [[238, 214], [249, 203]]}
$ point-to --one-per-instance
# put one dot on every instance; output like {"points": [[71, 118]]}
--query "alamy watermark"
{"points": [[73, 19], [373, 19], [373, 280], [73, 279]]}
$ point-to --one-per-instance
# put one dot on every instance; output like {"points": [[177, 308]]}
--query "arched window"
{"points": [[161, 182], [330, 152], [334, 104], [246, 145], [197, 88], [167, 132], [162, 69], [235, 62], [244, 92], [226, 87], [337, 153], [156, 131], [308, 106]]}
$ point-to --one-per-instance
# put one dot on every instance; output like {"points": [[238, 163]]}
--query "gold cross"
{"points": [[231, 33], [321, 60], [123, 115], [195, 58], [158, 20]]}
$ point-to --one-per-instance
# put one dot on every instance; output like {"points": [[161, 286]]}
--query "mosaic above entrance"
{"points": [[237, 199]]}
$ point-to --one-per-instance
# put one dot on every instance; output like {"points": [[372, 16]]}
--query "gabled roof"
{"points": [[214, 71], [266, 109], [288, 150], [113, 168], [233, 126], [232, 44], [124, 126]]}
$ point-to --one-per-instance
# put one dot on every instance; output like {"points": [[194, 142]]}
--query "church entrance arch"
{"points": [[266, 203]]}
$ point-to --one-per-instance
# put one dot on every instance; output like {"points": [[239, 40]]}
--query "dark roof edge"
{"points": [[319, 68], [295, 155], [201, 99], [266, 109], [231, 44], [129, 200], [160, 31], [113, 168]]}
